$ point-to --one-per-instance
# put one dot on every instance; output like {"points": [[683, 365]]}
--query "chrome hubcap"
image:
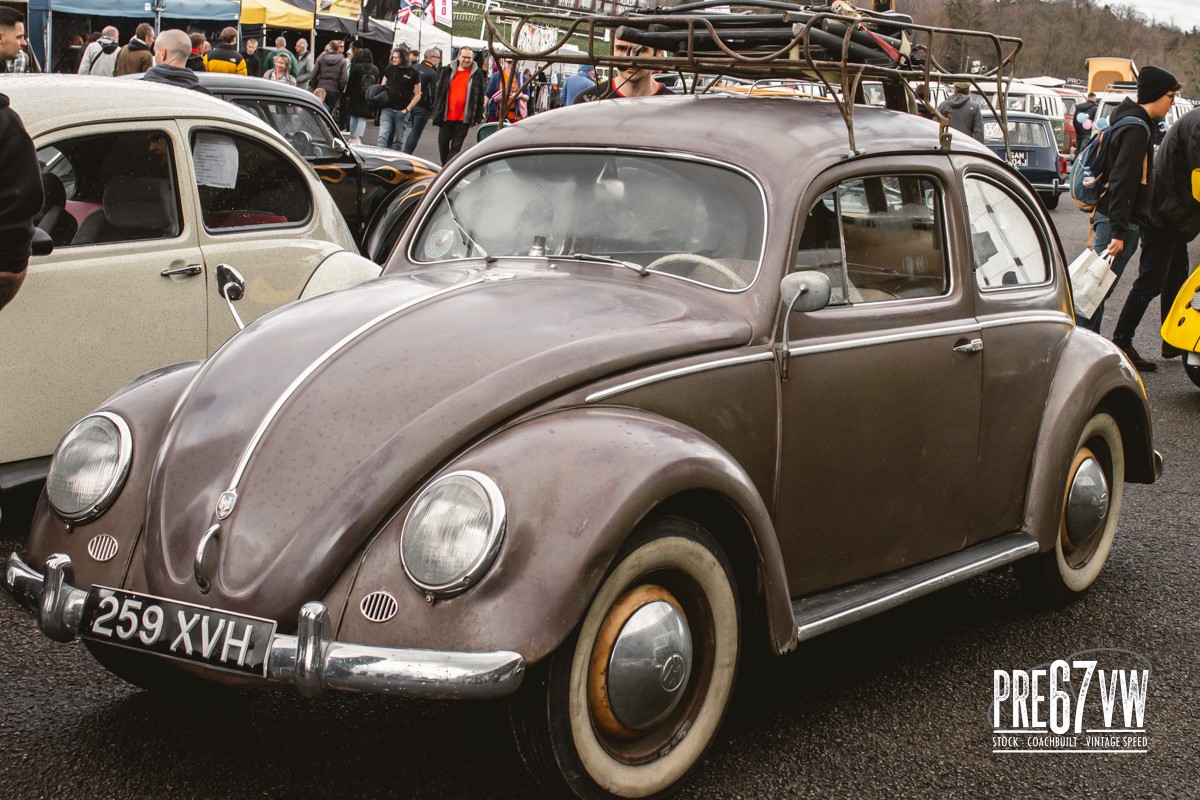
{"points": [[650, 665], [1087, 502]]}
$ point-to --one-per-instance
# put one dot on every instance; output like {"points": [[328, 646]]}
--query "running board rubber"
{"points": [[833, 609]]}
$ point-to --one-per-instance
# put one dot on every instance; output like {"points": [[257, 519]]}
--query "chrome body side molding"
{"points": [[836, 608]]}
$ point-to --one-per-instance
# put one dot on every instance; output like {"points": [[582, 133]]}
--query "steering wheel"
{"points": [[695, 260], [302, 141]]}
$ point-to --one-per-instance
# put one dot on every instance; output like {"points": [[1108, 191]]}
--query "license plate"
{"points": [[178, 630], [1018, 159]]}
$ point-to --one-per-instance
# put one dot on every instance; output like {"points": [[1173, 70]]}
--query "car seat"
{"points": [[134, 207], [54, 218]]}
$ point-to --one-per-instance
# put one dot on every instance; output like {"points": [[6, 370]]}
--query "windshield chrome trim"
{"points": [[320, 361], [693, 369], [418, 225]]}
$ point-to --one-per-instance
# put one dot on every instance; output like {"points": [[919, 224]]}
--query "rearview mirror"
{"points": [[232, 286]]}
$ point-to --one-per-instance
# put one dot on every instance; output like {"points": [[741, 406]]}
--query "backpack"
{"points": [[1088, 178], [367, 80]]}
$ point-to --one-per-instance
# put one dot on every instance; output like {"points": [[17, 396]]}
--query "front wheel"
{"points": [[1091, 506], [629, 704], [1193, 373]]}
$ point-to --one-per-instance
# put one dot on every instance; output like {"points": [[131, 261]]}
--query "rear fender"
{"points": [[576, 483], [1093, 375]]}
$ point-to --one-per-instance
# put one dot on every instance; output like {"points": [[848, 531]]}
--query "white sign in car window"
{"points": [[216, 161]]}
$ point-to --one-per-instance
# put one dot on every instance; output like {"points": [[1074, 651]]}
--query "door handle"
{"points": [[190, 269], [973, 346]]}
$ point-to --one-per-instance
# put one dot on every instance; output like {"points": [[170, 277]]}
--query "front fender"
{"points": [[1093, 375], [145, 405], [576, 483]]}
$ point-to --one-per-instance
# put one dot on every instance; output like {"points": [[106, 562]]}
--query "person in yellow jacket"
{"points": [[225, 56]]}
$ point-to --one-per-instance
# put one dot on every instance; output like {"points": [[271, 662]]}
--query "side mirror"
{"points": [[42, 244], [340, 147], [807, 290], [232, 286]]}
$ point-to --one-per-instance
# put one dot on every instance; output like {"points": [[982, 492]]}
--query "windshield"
{"points": [[1020, 134], [694, 220]]}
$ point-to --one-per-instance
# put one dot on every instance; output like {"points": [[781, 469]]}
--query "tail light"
{"points": [[1062, 165]]}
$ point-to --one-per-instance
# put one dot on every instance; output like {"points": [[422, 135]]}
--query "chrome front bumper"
{"points": [[310, 660]]}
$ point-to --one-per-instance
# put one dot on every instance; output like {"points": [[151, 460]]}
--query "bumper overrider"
{"points": [[310, 660]]}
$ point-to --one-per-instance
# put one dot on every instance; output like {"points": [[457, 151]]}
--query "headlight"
{"points": [[89, 467], [453, 533]]}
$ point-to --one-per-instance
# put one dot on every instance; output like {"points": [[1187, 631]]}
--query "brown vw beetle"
{"points": [[648, 383]]}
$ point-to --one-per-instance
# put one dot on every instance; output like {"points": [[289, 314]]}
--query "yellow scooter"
{"points": [[1182, 326]]}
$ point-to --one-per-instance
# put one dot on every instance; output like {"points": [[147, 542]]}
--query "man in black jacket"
{"points": [[1174, 221], [1125, 203], [428, 70], [459, 103], [21, 194], [171, 51], [1084, 121]]}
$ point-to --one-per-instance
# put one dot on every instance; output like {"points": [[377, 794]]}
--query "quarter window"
{"points": [[1006, 247], [113, 187], [877, 238], [245, 184]]}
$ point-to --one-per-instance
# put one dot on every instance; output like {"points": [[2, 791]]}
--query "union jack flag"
{"points": [[403, 13]]}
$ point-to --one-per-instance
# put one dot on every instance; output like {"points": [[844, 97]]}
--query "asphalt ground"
{"points": [[898, 706]]}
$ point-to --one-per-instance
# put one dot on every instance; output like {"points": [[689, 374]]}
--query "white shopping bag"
{"points": [[1091, 278]]}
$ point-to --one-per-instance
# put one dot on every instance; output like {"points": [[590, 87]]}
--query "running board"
{"points": [[831, 610]]}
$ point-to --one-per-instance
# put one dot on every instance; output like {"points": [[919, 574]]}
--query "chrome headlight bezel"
{"points": [[487, 555], [114, 485]]}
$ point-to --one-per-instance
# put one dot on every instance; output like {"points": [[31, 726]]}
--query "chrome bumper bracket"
{"points": [[311, 660]]}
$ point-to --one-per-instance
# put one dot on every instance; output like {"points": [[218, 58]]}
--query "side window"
{"points": [[303, 127], [1007, 249], [246, 184], [112, 187], [877, 238]]}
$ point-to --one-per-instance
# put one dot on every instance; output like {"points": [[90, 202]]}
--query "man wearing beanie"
{"points": [[1129, 188], [963, 112]]}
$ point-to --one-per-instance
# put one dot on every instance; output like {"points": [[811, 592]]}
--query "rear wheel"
{"points": [[630, 703], [1051, 200], [1091, 506]]}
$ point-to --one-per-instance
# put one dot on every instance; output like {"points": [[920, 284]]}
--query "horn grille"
{"points": [[102, 547], [379, 606]]}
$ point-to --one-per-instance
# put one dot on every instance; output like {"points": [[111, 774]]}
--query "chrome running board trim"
{"points": [[833, 609]]}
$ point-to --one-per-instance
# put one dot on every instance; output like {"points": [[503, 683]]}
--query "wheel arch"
{"points": [[1093, 377]]}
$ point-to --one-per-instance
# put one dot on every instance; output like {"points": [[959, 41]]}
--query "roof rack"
{"points": [[836, 44]]}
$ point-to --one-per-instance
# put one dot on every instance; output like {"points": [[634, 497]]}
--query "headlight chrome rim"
{"points": [[487, 556], [115, 484]]}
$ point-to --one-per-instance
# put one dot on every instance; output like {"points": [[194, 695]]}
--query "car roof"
{"points": [[757, 133], [223, 82], [48, 102]]}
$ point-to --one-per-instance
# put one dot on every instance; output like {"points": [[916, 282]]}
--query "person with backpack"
{"points": [[1174, 222], [363, 75], [1127, 180]]}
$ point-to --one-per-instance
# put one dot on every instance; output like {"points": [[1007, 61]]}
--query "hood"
{"points": [[108, 44], [137, 44], [425, 363], [959, 100]]}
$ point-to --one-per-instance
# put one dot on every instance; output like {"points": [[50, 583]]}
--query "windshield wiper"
{"points": [[638, 268], [466, 236]]}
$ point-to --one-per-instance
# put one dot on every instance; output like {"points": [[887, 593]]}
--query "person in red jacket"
{"points": [[459, 103]]}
